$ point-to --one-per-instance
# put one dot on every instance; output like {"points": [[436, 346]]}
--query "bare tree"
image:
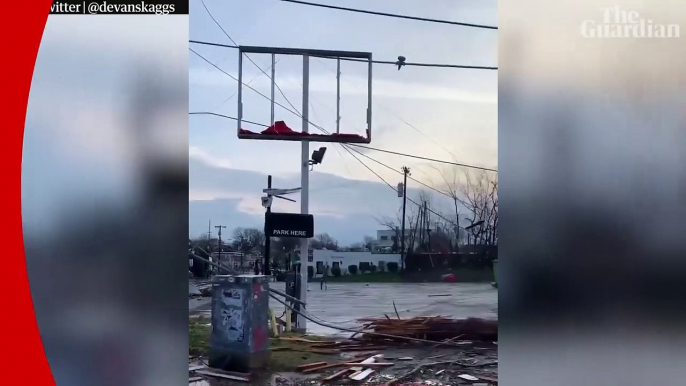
{"points": [[288, 244], [395, 223], [452, 187], [369, 242], [203, 241], [475, 199], [356, 247], [480, 197], [323, 240], [248, 240]]}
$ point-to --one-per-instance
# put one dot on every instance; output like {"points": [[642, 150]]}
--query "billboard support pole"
{"points": [[305, 187], [267, 240]]}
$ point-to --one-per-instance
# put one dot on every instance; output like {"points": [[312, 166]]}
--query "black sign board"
{"points": [[290, 225]]}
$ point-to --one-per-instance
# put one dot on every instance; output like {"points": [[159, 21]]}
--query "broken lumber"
{"points": [[309, 365], [489, 379], [336, 375], [323, 366], [361, 375], [300, 340], [437, 329], [225, 376]]}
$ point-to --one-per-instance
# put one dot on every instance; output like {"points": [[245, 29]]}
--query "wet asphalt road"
{"points": [[343, 303]]}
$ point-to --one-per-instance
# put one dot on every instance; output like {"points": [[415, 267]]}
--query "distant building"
{"points": [[385, 239], [322, 258], [231, 258]]}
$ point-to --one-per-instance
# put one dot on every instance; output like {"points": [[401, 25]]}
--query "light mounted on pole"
{"points": [[317, 157]]}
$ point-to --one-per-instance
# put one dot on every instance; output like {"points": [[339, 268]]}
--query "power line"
{"points": [[394, 189], [335, 148], [297, 114], [360, 161], [345, 146], [247, 56], [413, 64], [424, 158], [396, 115], [392, 15], [394, 63], [249, 82], [397, 171], [368, 147], [368, 168]]}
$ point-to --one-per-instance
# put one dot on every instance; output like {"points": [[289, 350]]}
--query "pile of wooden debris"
{"points": [[369, 369], [366, 351], [436, 329], [356, 369], [380, 352]]}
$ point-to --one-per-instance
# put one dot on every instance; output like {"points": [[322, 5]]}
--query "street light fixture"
{"points": [[318, 156]]}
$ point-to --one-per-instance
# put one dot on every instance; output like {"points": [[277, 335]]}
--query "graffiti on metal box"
{"points": [[232, 315]]}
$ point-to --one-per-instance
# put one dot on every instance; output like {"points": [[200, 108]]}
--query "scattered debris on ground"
{"points": [[199, 371], [385, 351], [199, 289], [437, 329]]}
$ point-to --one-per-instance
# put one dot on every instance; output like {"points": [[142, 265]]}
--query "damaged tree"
{"points": [[247, 240], [481, 200], [476, 193], [394, 225]]}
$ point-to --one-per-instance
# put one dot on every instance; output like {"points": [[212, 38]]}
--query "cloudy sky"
{"points": [[440, 113]]}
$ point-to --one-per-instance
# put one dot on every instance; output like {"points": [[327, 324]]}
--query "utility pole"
{"points": [[267, 240], [425, 227], [457, 233], [209, 236], [406, 172], [219, 235]]}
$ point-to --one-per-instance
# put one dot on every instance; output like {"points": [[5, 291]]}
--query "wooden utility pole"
{"points": [[219, 235], [406, 172]]}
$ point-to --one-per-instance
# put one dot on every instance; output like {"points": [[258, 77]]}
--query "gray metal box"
{"points": [[240, 322], [293, 289]]}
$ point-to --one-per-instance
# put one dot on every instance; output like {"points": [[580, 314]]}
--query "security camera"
{"points": [[266, 201]]}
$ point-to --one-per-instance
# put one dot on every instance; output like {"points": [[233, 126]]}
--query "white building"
{"points": [[385, 237], [233, 260], [324, 257]]}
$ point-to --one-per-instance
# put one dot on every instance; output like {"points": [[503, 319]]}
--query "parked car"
{"points": [[450, 278]]}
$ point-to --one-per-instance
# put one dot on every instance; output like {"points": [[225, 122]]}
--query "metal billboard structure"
{"points": [[278, 131]]}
